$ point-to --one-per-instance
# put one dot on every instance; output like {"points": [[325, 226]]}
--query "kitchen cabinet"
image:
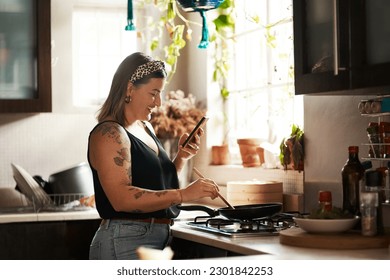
{"points": [[187, 249], [25, 56], [49, 240], [341, 46]]}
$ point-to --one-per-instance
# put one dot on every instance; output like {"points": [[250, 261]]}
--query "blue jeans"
{"points": [[119, 239]]}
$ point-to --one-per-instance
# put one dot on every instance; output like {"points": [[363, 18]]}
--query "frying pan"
{"points": [[240, 212]]}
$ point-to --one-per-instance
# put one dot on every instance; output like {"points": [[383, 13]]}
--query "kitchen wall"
{"points": [[42, 143], [332, 123]]}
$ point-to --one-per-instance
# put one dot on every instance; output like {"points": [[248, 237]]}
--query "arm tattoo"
{"points": [[130, 174], [139, 194], [158, 194], [111, 130], [123, 156]]}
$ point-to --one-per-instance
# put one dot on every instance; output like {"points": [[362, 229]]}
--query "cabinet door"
{"points": [[370, 37], [320, 45], [25, 56]]}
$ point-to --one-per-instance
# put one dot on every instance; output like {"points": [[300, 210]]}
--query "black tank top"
{"points": [[149, 171]]}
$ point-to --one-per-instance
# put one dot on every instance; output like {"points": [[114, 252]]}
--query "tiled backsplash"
{"points": [[42, 143]]}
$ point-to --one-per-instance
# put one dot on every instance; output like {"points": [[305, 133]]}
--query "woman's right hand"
{"points": [[200, 188]]}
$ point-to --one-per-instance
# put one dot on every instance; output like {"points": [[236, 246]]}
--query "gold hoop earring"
{"points": [[128, 99]]}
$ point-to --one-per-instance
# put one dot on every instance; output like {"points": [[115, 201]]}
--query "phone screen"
{"points": [[201, 123]]}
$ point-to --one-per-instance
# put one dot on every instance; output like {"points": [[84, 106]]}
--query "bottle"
{"points": [[352, 175], [387, 186], [372, 197], [325, 200], [368, 208]]}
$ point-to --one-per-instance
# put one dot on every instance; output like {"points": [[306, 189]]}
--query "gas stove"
{"points": [[266, 226]]}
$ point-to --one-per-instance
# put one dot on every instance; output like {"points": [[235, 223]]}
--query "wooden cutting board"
{"points": [[341, 241]]}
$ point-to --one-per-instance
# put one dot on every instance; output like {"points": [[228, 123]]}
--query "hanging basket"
{"points": [[200, 6], [197, 5]]}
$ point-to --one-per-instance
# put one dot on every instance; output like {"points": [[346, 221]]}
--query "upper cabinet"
{"points": [[25, 56], [342, 46]]}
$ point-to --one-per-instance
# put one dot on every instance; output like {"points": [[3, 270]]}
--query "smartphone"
{"points": [[200, 124]]}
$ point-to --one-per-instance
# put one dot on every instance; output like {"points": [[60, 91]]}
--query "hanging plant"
{"points": [[224, 27], [179, 29], [166, 25]]}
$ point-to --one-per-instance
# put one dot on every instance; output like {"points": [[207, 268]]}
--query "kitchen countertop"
{"points": [[269, 247], [265, 247], [89, 214]]}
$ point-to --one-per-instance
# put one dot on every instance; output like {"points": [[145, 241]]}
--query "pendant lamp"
{"points": [[201, 6], [130, 24]]}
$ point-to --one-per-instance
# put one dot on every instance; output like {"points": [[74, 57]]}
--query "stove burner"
{"points": [[246, 225], [219, 222], [240, 228]]}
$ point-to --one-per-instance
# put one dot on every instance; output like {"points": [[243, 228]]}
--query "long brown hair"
{"points": [[114, 106]]}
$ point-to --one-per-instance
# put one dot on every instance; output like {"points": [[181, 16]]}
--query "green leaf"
{"points": [[171, 14], [223, 22], [154, 44], [226, 4], [225, 93], [215, 75]]}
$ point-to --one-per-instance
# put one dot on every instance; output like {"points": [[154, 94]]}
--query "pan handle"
{"points": [[206, 209]]}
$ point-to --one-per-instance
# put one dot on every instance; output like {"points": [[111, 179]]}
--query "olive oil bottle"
{"points": [[352, 179]]}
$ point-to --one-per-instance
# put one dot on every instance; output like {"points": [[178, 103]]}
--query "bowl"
{"points": [[326, 225]]}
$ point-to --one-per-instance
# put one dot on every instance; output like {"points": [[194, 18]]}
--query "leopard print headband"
{"points": [[146, 69]]}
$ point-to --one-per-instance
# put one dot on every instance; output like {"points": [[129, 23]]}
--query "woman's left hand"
{"points": [[191, 148]]}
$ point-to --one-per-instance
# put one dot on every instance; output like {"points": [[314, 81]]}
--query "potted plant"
{"points": [[178, 114], [292, 151]]}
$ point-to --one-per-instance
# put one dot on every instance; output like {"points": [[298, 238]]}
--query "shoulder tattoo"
{"points": [[110, 130]]}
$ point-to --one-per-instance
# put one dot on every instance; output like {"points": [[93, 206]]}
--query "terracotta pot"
{"points": [[220, 155], [248, 151], [260, 153]]}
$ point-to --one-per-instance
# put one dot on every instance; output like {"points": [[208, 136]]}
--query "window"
{"points": [[100, 43], [261, 103]]}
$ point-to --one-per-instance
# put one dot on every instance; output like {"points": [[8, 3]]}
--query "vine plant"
{"points": [[169, 15], [179, 30]]}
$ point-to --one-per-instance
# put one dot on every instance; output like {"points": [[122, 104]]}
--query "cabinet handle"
{"points": [[335, 37]]}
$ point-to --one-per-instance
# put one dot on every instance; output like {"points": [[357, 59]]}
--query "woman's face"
{"points": [[145, 98]]}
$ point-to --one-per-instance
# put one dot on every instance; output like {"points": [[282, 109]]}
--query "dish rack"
{"points": [[52, 203], [65, 202]]}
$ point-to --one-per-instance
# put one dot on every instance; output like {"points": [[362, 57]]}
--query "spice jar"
{"points": [[368, 209], [325, 200]]}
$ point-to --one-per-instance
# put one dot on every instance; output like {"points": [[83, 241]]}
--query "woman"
{"points": [[136, 184]]}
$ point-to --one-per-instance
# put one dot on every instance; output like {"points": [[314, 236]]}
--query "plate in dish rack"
{"points": [[326, 225], [29, 187]]}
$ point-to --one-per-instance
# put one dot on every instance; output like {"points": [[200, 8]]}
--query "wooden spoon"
{"points": [[197, 172]]}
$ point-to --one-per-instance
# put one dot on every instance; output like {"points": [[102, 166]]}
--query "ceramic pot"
{"points": [[220, 155], [248, 150]]}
